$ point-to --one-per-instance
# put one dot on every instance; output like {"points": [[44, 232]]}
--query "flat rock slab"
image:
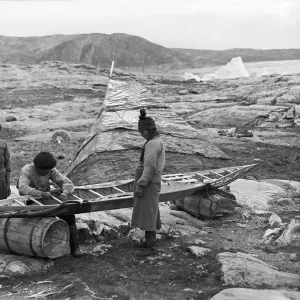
{"points": [[284, 184], [240, 269], [255, 194], [64, 114], [199, 251], [232, 115], [46, 137], [250, 294], [20, 265]]}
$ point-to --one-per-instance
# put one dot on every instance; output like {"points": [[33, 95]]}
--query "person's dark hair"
{"points": [[145, 122], [142, 114], [45, 161]]}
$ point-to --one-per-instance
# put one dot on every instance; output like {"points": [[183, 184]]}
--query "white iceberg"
{"points": [[265, 73], [234, 69], [210, 76], [189, 76]]}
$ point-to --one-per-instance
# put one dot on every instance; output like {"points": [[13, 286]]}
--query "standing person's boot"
{"points": [[74, 245], [150, 239], [141, 245], [151, 244], [146, 243]]}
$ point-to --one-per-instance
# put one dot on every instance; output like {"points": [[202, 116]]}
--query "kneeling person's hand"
{"points": [[63, 197], [46, 196]]}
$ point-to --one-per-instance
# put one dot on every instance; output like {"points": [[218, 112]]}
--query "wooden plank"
{"points": [[117, 189], [232, 175], [189, 180], [27, 207], [35, 201], [215, 173], [78, 198], [56, 199], [222, 170], [21, 203], [117, 196], [176, 178], [104, 185], [171, 175], [233, 171], [95, 193], [203, 176]]}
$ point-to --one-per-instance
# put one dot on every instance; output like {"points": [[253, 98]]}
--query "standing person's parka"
{"points": [[147, 185]]}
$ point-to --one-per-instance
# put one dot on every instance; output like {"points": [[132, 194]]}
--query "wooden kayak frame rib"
{"points": [[174, 186]]}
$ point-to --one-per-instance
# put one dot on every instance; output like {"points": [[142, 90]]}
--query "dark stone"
{"points": [[10, 119]]}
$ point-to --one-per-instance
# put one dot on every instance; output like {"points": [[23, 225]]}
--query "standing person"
{"points": [[147, 183], [5, 170], [34, 181]]}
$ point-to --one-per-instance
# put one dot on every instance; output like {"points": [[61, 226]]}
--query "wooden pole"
{"points": [[111, 68]]}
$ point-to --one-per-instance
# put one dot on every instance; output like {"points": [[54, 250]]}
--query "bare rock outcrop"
{"points": [[20, 265], [250, 294], [255, 194], [240, 269], [250, 101]]}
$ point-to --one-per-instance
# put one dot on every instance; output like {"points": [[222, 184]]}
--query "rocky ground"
{"points": [[57, 95]]}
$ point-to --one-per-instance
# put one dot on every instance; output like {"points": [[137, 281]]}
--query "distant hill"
{"points": [[128, 52]]}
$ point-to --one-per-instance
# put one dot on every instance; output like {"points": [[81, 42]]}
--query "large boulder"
{"points": [[250, 294], [240, 269], [20, 265], [255, 194]]}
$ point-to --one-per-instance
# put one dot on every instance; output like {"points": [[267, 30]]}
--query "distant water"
{"points": [[273, 67], [255, 68]]}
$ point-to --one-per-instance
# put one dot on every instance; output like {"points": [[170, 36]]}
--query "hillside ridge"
{"points": [[128, 52]]}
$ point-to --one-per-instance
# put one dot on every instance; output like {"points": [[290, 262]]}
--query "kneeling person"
{"points": [[34, 181]]}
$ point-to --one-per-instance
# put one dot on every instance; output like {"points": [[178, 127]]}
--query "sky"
{"points": [[193, 24]]}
